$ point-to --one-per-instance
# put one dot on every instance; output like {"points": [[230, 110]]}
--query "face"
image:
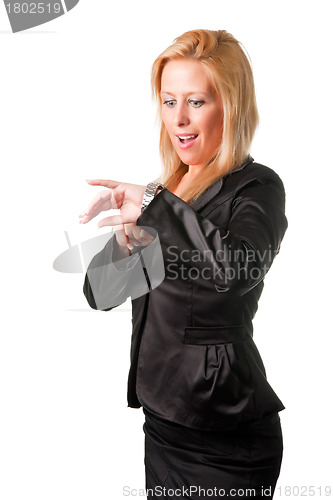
{"points": [[191, 111]]}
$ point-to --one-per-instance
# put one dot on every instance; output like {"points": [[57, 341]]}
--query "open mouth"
{"points": [[186, 141]]}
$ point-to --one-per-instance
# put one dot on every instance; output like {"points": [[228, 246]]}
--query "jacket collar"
{"points": [[215, 188]]}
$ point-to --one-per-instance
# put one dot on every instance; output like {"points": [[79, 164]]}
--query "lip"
{"points": [[189, 143]]}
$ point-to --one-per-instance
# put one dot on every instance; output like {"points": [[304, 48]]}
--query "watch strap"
{"points": [[150, 193]]}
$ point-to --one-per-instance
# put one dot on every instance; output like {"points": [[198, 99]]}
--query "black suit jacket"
{"points": [[193, 358]]}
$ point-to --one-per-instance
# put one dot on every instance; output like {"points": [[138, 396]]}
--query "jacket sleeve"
{"points": [[238, 253], [110, 281], [106, 280]]}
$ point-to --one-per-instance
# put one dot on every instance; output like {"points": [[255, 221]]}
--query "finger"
{"points": [[131, 230], [104, 200], [146, 241], [143, 236], [129, 244], [130, 240], [84, 219], [137, 236], [123, 240], [146, 236], [142, 242], [103, 182], [139, 242], [121, 237], [110, 221]]}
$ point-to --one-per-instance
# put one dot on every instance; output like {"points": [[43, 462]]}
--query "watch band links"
{"points": [[149, 194]]}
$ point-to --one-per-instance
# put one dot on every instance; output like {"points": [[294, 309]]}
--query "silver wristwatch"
{"points": [[149, 194]]}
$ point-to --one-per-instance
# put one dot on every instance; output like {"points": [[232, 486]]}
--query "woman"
{"points": [[212, 425]]}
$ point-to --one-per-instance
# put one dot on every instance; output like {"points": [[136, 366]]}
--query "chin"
{"points": [[190, 161]]}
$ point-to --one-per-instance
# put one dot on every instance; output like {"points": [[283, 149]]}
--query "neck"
{"points": [[193, 170]]}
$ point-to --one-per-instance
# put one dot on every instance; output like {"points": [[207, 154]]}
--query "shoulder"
{"points": [[252, 181], [254, 171], [250, 175]]}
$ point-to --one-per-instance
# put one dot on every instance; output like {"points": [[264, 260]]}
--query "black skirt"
{"points": [[186, 463]]}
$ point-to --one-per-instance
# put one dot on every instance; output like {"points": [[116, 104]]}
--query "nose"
{"points": [[181, 117]]}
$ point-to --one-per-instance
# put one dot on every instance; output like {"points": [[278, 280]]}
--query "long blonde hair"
{"points": [[231, 75]]}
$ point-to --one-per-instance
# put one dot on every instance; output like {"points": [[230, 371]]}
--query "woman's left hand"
{"points": [[120, 195]]}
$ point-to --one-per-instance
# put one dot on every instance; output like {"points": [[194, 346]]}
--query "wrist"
{"points": [[152, 189]]}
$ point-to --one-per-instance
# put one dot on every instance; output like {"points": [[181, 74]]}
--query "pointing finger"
{"points": [[103, 182], [114, 220]]}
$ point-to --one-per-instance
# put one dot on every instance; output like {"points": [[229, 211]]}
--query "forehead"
{"points": [[184, 75]]}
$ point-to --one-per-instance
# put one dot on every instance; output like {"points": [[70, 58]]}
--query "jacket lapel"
{"points": [[214, 189], [207, 195]]}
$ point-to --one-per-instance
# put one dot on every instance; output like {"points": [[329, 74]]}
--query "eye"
{"points": [[195, 103], [171, 103]]}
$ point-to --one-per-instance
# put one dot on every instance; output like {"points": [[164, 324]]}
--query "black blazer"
{"points": [[193, 358]]}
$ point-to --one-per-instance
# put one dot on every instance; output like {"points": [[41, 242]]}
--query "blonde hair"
{"points": [[232, 78]]}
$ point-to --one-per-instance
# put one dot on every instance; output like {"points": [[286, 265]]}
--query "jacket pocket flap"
{"points": [[205, 335]]}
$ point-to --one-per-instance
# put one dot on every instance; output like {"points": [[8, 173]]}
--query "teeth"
{"points": [[186, 136]]}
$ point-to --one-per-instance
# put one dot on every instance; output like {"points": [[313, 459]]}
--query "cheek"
{"points": [[213, 129], [166, 121]]}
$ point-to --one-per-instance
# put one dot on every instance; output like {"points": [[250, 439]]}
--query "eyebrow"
{"points": [[187, 93]]}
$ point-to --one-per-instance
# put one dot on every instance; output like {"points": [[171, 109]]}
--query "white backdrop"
{"points": [[76, 104]]}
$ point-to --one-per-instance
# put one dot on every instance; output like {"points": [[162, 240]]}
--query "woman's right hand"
{"points": [[131, 237], [128, 199], [125, 197]]}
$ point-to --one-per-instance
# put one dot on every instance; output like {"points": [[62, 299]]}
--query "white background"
{"points": [[76, 104]]}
